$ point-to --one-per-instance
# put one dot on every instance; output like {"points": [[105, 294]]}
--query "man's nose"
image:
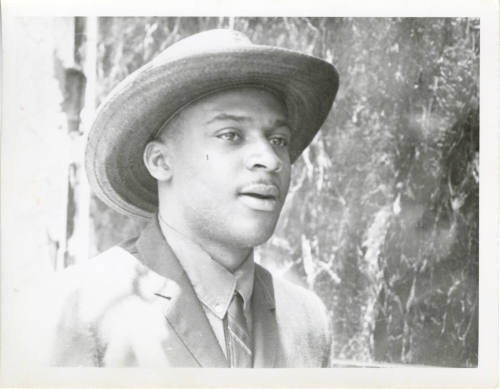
{"points": [[263, 156]]}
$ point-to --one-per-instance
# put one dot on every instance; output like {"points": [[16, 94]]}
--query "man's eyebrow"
{"points": [[226, 116], [280, 123], [240, 119]]}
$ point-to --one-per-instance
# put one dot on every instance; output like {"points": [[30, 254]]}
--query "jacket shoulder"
{"points": [[96, 281], [82, 304], [302, 318]]}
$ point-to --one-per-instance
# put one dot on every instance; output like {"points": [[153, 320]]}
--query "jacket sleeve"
{"points": [[74, 341], [54, 334]]}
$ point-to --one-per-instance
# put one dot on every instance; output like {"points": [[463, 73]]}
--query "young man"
{"points": [[200, 141]]}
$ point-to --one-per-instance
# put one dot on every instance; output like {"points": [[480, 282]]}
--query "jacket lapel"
{"points": [[182, 308], [266, 341]]}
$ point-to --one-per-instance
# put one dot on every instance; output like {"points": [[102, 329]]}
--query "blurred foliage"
{"points": [[383, 211]]}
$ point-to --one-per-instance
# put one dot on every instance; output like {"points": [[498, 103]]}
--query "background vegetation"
{"points": [[382, 216]]}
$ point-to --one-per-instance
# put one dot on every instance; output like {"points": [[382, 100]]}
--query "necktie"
{"points": [[239, 342]]}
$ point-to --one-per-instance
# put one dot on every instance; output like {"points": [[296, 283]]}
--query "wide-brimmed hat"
{"points": [[194, 67]]}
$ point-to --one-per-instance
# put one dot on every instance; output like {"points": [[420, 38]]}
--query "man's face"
{"points": [[230, 167]]}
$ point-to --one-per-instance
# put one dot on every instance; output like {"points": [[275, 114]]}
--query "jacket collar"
{"points": [[213, 284], [182, 309]]}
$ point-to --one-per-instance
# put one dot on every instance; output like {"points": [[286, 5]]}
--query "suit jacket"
{"points": [[133, 305]]}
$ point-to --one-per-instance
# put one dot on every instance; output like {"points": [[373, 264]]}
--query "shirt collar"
{"points": [[213, 284]]}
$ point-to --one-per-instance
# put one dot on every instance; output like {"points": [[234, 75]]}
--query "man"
{"points": [[200, 141]]}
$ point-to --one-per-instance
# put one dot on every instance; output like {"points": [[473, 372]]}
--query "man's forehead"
{"points": [[239, 105], [235, 104]]}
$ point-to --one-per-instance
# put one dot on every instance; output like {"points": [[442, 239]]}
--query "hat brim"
{"points": [[139, 106]]}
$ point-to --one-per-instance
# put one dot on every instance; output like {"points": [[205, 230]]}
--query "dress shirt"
{"points": [[213, 284]]}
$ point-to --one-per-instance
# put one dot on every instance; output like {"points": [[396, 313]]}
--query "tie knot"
{"points": [[238, 297], [236, 308]]}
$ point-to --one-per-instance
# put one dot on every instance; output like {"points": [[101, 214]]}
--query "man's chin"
{"points": [[254, 234]]}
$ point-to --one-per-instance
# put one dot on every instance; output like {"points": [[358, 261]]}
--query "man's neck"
{"points": [[230, 258], [227, 256]]}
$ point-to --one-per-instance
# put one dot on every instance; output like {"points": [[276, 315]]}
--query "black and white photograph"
{"points": [[249, 193]]}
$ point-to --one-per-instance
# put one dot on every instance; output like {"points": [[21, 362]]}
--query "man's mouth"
{"points": [[260, 197]]}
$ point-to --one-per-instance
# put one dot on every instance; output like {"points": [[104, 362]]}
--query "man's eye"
{"points": [[279, 141], [230, 136]]}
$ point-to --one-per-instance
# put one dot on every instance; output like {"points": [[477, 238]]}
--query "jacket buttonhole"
{"points": [[165, 297]]}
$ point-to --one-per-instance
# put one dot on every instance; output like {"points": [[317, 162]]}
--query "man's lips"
{"points": [[260, 197], [261, 191]]}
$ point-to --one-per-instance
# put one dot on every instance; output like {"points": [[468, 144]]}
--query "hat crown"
{"points": [[204, 42]]}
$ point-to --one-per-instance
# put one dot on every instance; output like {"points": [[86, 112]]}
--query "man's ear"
{"points": [[156, 159]]}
